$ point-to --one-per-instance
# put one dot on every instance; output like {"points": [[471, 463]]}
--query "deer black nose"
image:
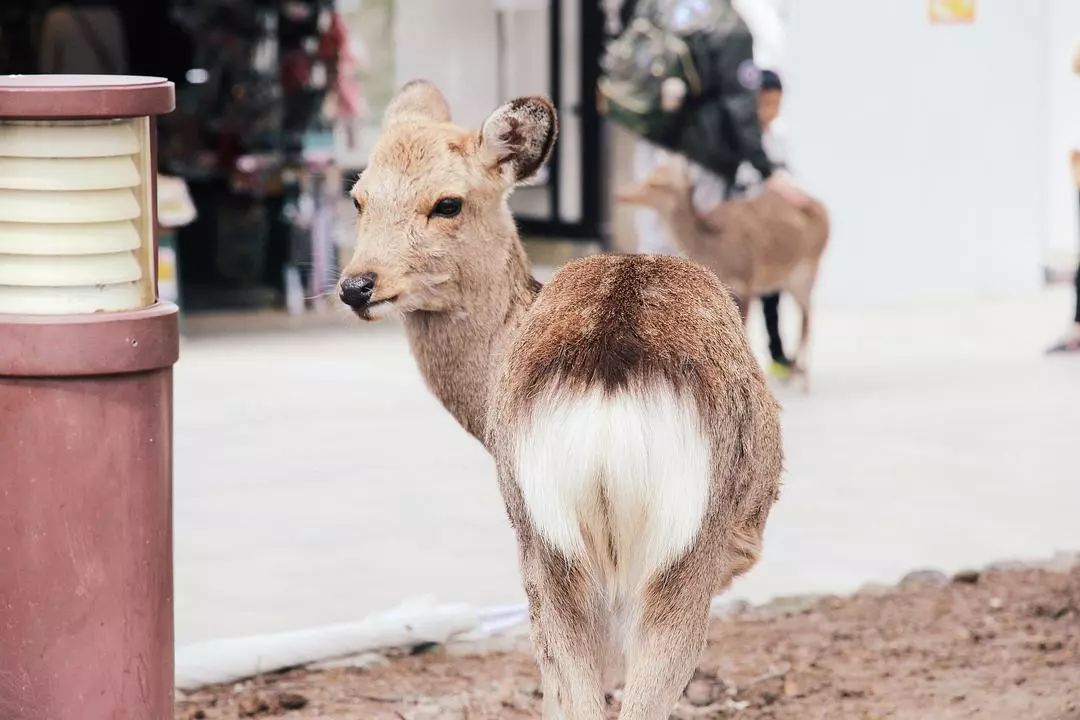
{"points": [[356, 291]]}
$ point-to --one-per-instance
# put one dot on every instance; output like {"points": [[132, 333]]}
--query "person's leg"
{"points": [[770, 304]]}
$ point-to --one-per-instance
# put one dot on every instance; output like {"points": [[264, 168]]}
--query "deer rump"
{"points": [[626, 410], [618, 480], [775, 235]]}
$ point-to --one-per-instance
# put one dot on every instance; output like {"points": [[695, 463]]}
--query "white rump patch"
{"points": [[620, 478]]}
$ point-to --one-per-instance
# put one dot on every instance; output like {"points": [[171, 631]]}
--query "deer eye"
{"points": [[359, 207], [448, 207]]}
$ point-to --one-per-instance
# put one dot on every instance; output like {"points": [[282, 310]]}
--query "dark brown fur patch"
{"points": [[610, 320]]}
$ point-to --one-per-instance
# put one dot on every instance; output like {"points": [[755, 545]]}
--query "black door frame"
{"points": [[591, 38]]}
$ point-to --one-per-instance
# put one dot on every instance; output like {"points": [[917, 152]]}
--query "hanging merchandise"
{"points": [[250, 135], [346, 93]]}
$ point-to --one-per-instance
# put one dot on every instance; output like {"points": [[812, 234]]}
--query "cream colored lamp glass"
{"points": [[76, 216]]}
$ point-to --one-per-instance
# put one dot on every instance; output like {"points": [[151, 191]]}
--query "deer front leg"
{"points": [[568, 633]]}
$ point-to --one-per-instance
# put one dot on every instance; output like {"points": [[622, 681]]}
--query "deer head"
{"points": [[432, 214], [666, 189]]}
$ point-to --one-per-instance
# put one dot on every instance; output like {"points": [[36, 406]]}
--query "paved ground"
{"points": [[317, 481]]}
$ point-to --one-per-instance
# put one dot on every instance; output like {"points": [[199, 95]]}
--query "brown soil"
{"points": [[1000, 645]]}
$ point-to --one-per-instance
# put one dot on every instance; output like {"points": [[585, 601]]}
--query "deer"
{"points": [[755, 245], [636, 442]]}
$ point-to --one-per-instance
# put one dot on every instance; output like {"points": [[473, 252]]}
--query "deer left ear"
{"points": [[517, 138]]}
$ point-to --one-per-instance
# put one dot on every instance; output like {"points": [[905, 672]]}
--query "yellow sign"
{"points": [[952, 11]]}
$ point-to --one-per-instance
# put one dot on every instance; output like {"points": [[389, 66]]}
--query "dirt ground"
{"points": [[1001, 644]]}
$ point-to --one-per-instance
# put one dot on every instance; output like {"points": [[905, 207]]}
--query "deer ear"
{"points": [[517, 138], [417, 100]]}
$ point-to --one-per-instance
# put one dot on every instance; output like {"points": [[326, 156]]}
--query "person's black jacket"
{"points": [[720, 128]]}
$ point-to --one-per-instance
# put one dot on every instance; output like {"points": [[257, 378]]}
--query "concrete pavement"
{"points": [[317, 481]]}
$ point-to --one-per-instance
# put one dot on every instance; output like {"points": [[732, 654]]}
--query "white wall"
{"points": [[1064, 130], [451, 43], [454, 44], [927, 142]]}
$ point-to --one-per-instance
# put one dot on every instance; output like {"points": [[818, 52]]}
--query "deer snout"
{"points": [[356, 291]]}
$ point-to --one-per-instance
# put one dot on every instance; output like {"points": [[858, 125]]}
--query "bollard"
{"points": [[86, 355]]}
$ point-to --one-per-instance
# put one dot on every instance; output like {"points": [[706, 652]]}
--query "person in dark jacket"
{"points": [[720, 128]]}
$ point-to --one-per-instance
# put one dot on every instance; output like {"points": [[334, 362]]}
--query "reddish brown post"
{"points": [[86, 355]]}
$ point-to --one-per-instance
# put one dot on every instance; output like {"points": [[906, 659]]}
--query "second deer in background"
{"points": [[754, 245]]}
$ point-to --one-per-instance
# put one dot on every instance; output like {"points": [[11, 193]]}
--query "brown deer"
{"points": [[755, 245], [637, 445]]}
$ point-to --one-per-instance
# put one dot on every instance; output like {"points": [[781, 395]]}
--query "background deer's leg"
{"points": [[802, 292]]}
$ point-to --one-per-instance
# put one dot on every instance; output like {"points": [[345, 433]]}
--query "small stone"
{"points": [[996, 603], [966, 577], [530, 686], [199, 714], [701, 673], [700, 693], [1051, 645], [959, 698], [291, 701], [1054, 612], [791, 688], [251, 705], [924, 578]]}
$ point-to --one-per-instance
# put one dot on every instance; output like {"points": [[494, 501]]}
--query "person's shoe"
{"points": [[1070, 343], [781, 369]]}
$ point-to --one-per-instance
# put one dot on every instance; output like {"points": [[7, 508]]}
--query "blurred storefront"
{"points": [[279, 101], [259, 92]]}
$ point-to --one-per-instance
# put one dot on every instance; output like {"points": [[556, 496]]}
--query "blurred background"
{"points": [[317, 481]]}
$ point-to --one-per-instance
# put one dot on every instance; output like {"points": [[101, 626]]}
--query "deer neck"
{"points": [[689, 230], [459, 353]]}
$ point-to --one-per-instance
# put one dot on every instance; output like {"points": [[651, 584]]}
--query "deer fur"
{"points": [[637, 445], [755, 245]]}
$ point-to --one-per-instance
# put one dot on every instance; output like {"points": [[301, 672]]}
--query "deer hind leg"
{"points": [[664, 644], [569, 634], [802, 354], [801, 290]]}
